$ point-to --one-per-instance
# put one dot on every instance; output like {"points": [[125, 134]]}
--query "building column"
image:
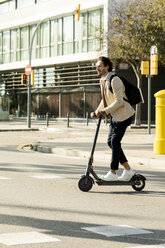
{"points": [[19, 107], [38, 105], [60, 105], [84, 104]]}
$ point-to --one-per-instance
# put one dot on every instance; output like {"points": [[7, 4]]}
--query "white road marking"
{"points": [[5, 178], [25, 238], [47, 177], [149, 175], [112, 231], [150, 246]]}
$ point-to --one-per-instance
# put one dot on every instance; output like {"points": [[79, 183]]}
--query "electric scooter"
{"points": [[86, 182]]}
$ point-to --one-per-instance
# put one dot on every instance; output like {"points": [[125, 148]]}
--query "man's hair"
{"points": [[106, 61]]}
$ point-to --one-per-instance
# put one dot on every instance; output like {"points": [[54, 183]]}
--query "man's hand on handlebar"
{"points": [[93, 115], [98, 114]]}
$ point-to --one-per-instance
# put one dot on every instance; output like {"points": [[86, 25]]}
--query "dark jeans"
{"points": [[116, 133]]}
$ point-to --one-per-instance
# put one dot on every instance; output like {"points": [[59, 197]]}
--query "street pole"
{"points": [[149, 69], [29, 77], [149, 103]]}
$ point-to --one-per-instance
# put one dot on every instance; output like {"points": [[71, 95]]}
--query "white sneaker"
{"points": [[126, 175], [109, 177]]}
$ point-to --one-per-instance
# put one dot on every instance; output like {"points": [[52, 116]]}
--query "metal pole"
{"points": [[29, 102], [149, 103], [67, 119], [47, 119], [87, 117], [29, 77]]}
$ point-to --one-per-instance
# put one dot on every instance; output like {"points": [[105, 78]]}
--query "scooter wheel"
{"points": [[85, 183], [139, 183]]}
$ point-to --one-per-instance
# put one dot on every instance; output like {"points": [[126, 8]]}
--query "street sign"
{"points": [[28, 70]]}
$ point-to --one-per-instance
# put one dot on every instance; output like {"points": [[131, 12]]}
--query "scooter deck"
{"points": [[102, 182]]}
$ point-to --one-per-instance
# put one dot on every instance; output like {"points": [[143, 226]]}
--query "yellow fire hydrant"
{"points": [[159, 143]]}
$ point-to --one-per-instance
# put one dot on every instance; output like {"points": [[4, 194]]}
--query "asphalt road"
{"points": [[42, 207]]}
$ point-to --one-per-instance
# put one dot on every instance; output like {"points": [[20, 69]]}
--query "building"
{"points": [[64, 52], [63, 55]]}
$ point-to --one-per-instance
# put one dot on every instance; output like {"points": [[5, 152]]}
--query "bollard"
{"points": [[47, 119], [106, 120], [159, 142], [87, 116], [67, 119]]}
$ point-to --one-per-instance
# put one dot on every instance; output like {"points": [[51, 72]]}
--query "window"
{"points": [[6, 47], [91, 32], [38, 43], [94, 30], [32, 29], [23, 3], [68, 35], [7, 6], [52, 38], [40, 1], [1, 48], [18, 45], [44, 38], [60, 37], [12, 47], [85, 33], [24, 43], [76, 37], [57, 37]]}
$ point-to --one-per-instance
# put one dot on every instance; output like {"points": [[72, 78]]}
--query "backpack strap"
{"points": [[111, 77], [110, 87]]}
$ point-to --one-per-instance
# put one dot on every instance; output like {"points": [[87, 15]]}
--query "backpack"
{"points": [[133, 93]]}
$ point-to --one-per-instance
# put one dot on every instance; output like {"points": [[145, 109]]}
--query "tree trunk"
{"points": [[138, 106], [136, 68]]}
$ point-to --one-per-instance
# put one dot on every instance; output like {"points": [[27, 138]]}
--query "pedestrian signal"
{"points": [[24, 79]]}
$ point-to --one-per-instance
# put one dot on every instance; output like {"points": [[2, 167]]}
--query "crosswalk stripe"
{"points": [[47, 177], [150, 246], [112, 231], [25, 238], [5, 178]]}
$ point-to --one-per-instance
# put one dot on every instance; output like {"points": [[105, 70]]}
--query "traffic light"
{"points": [[24, 79], [32, 77], [154, 64], [77, 13], [145, 68]]}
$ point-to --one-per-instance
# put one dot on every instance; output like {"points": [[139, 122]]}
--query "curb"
{"points": [[100, 156], [19, 129]]}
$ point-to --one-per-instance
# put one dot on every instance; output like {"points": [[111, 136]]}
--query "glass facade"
{"points": [[56, 37], [44, 40], [60, 37], [68, 35], [24, 42], [6, 47], [11, 5], [52, 38], [1, 48], [7, 6], [24, 3]]}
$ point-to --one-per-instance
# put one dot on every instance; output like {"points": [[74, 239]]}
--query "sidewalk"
{"points": [[77, 139]]}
